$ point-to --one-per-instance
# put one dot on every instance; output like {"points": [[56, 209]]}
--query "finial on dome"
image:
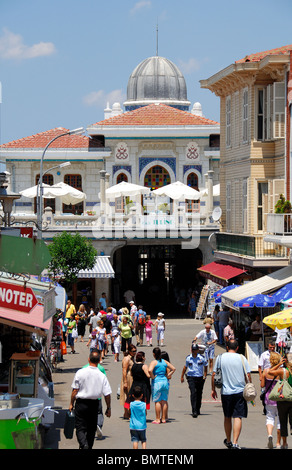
{"points": [[197, 109]]}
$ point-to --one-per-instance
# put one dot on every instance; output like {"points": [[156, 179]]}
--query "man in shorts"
{"points": [[233, 404]]}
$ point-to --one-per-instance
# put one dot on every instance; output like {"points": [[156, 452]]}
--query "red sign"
{"points": [[17, 297], [26, 232]]}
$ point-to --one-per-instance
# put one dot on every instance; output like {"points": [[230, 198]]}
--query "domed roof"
{"points": [[156, 80]]}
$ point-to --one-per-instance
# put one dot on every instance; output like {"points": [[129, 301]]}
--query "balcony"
{"points": [[252, 250], [279, 229]]}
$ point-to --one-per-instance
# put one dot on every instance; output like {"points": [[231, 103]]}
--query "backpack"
{"points": [[141, 318]]}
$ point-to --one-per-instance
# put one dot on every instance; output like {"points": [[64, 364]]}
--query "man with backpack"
{"points": [[139, 324]]}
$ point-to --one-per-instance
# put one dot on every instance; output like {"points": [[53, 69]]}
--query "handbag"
{"points": [[63, 348], [69, 425], [218, 374], [282, 391], [249, 391], [74, 333]]}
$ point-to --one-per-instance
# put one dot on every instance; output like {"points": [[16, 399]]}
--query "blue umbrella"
{"points": [[283, 294], [258, 300], [217, 295]]}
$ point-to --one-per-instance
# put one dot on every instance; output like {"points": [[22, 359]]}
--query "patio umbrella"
{"points": [[258, 300], [216, 190], [283, 294], [279, 320], [217, 295], [67, 193], [177, 191], [126, 189]]}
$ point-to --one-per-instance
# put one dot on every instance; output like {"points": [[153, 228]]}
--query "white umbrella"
{"points": [[177, 191], [216, 190], [67, 193], [126, 189]]}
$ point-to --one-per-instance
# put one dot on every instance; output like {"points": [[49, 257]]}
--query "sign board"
{"points": [[17, 297], [253, 351]]}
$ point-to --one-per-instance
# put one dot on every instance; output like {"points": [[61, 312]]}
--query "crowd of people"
{"points": [[121, 332]]}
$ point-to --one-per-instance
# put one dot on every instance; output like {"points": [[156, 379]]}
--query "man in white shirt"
{"points": [[89, 384]]}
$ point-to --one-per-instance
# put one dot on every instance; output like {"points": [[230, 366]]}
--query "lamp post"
{"points": [[78, 131]]}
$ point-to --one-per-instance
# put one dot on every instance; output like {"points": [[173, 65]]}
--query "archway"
{"points": [[159, 275], [156, 177]]}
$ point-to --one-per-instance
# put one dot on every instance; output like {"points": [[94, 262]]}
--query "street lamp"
{"points": [[78, 131]]}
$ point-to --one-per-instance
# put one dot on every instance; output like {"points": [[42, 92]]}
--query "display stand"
{"points": [[201, 308]]}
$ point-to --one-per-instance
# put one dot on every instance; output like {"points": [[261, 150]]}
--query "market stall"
{"points": [[26, 386]]}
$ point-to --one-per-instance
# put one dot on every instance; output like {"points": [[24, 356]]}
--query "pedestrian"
{"points": [[209, 339], [81, 325], [126, 329], [160, 385], [141, 378], [256, 329], [101, 338], [148, 330], [223, 318], [100, 417], [116, 336], [89, 384], [233, 403], [93, 321], [127, 378], [103, 302], [139, 325], [108, 326], [283, 370], [264, 363], [216, 319], [133, 309], [160, 328], [70, 309], [196, 367], [92, 341], [70, 329], [192, 307], [138, 423], [267, 384], [229, 331]]}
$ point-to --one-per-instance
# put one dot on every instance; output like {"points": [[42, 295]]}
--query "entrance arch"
{"points": [[156, 177], [158, 274]]}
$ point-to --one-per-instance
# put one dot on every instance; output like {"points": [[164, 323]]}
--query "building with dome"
{"points": [[151, 140]]}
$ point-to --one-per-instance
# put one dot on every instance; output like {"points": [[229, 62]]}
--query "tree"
{"points": [[70, 254], [283, 206]]}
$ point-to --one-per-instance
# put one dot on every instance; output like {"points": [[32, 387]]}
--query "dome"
{"points": [[156, 80]]}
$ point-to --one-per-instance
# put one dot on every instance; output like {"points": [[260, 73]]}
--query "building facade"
{"points": [[155, 141]]}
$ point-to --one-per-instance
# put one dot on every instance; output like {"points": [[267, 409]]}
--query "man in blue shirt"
{"points": [[196, 367]]}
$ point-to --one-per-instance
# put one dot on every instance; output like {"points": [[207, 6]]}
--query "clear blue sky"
{"points": [[61, 61]]}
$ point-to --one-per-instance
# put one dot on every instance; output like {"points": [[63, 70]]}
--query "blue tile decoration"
{"points": [[122, 167], [193, 167], [144, 161]]}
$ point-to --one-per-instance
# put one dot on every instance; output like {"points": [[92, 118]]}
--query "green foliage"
{"points": [[283, 206], [70, 254]]}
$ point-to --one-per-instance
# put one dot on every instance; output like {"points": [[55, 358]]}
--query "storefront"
{"points": [[26, 385]]}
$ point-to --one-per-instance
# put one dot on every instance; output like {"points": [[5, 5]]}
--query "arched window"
{"points": [[76, 182], [122, 177], [192, 181], [156, 177], [47, 179]]}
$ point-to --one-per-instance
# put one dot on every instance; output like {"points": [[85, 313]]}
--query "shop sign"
{"points": [[17, 297]]}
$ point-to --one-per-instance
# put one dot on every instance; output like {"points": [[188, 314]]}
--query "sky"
{"points": [[62, 61]]}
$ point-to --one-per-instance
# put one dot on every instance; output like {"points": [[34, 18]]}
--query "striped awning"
{"points": [[102, 269]]}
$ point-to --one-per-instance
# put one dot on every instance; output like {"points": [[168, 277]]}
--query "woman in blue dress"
{"points": [[160, 371]]}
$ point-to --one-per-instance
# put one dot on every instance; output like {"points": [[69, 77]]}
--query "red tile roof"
{"points": [[42, 139], [156, 115], [260, 55]]}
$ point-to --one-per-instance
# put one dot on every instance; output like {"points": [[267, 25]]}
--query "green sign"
{"points": [[23, 255]]}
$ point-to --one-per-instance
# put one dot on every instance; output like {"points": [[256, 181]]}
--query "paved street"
{"points": [[182, 431]]}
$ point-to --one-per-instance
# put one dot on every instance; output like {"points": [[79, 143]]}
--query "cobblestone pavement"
{"points": [[182, 431]]}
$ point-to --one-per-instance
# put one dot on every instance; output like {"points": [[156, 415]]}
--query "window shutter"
{"points": [[228, 121], [245, 116], [278, 110]]}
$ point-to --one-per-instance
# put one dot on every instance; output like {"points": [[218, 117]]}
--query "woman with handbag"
{"points": [[284, 402], [267, 383]]}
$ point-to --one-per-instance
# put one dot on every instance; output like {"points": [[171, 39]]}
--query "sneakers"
{"points": [[227, 444], [270, 442], [98, 433], [235, 446]]}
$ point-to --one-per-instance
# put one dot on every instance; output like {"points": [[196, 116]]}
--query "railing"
{"points": [[279, 224], [253, 246]]}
